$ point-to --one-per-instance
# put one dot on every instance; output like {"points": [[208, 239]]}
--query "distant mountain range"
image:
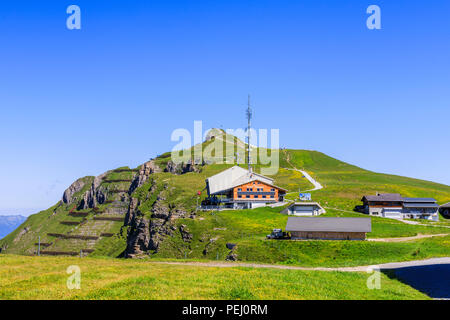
{"points": [[9, 224]]}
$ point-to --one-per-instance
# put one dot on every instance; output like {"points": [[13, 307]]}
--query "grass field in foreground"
{"points": [[45, 278]]}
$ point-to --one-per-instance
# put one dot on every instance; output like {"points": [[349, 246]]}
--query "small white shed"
{"points": [[304, 209]]}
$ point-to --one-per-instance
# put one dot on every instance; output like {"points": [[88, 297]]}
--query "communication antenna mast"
{"points": [[249, 118]]}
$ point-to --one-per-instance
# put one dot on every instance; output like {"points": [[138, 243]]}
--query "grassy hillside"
{"points": [[68, 220], [45, 278], [344, 185], [248, 228]]}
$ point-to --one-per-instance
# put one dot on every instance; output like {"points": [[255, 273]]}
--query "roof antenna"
{"points": [[249, 118]]}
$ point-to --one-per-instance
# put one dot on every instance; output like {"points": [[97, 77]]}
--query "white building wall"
{"points": [[400, 213], [393, 213]]}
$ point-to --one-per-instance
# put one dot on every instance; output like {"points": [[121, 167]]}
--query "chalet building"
{"points": [[239, 188], [420, 208], [393, 205], [321, 228], [445, 210], [304, 209], [387, 205]]}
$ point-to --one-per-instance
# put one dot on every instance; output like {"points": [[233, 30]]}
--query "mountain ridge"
{"points": [[150, 210]]}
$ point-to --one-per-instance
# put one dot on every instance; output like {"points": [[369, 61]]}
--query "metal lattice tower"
{"points": [[249, 118]]}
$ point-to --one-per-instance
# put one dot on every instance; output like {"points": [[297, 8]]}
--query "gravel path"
{"points": [[392, 265], [403, 239], [317, 185]]}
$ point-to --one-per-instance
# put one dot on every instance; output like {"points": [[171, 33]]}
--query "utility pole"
{"points": [[39, 246], [249, 118]]}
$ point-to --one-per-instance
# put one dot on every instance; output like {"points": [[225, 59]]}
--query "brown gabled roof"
{"points": [[325, 224], [384, 197]]}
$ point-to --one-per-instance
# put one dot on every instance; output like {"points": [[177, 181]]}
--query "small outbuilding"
{"points": [[304, 209], [445, 210], [325, 228]]}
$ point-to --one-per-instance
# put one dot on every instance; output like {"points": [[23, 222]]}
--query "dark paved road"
{"points": [[433, 280]]}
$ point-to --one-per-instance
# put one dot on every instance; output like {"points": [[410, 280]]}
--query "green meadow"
{"points": [[344, 186], [23, 277]]}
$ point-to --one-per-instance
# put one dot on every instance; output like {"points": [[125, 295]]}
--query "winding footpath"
{"points": [[315, 183], [428, 276], [404, 239], [384, 266]]}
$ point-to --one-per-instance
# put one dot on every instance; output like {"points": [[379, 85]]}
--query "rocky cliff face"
{"points": [[146, 232], [145, 171], [95, 195], [143, 200], [181, 168], [74, 188]]}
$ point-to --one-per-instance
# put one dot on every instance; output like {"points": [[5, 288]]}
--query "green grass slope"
{"points": [[45, 278], [344, 186], [68, 220]]}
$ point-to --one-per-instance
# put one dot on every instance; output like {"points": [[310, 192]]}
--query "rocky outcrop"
{"points": [[145, 234], [74, 188], [185, 235], [144, 173], [132, 211], [95, 195], [232, 255], [181, 168], [21, 234], [210, 242], [138, 239]]}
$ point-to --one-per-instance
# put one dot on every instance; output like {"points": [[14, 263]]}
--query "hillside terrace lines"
{"points": [[95, 223]]}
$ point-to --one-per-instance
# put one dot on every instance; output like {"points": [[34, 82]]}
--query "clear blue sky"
{"points": [[76, 103]]}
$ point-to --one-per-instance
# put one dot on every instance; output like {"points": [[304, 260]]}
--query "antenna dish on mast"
{"points": [[249, 118]]}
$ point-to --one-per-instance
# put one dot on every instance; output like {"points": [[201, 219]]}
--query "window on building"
{"points": [[239, 196], [248, 197], [239, 189], [264, 196], [272, 189]]}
